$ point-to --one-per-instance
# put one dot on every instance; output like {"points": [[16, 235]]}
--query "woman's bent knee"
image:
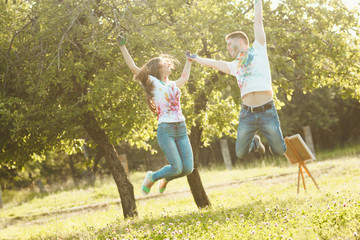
{"points": [[176, 170], [187, 171]]}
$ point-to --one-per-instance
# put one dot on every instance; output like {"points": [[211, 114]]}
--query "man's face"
{"points": [[235, 46]]}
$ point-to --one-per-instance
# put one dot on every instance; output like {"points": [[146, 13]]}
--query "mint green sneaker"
{"points": [[162, 185], [148, 177]]}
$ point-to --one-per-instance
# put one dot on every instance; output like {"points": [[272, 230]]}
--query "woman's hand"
{"points": [[121, 38]]}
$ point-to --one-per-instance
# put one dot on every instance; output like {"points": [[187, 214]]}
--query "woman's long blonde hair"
{"points": [[152, 67]]}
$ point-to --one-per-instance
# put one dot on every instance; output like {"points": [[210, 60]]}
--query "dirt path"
{"points": [[65, 213]]}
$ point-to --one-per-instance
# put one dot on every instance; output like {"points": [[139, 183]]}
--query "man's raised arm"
{"points": [[258, 23]]}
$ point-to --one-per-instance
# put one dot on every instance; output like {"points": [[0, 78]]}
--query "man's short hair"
{"points": [[238, 34]]}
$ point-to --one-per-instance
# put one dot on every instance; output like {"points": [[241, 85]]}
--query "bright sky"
{"points": [[349, 3]]}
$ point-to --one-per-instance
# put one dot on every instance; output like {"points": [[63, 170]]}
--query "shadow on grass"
{"points": [[159, 227]]}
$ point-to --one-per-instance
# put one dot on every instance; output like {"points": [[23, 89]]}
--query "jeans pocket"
{"points": [[163, 129], [271, 113], [182, 129]]}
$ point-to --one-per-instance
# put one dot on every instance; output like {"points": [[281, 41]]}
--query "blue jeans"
{"points": [[174, 142], [267, 122]]}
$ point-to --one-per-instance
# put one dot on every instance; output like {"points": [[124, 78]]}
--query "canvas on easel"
{"points": [[297, 152]]}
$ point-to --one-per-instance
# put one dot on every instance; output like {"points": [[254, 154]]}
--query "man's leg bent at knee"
{"points": [[272, 131], [244, 141]]}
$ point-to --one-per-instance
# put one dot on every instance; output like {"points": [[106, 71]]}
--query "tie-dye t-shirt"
{"points": [[253, 72], [167, 101]]}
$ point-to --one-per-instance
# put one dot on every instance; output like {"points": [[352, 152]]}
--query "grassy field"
{"points": [[253, 203]]}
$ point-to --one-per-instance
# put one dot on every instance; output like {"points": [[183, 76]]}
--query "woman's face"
{"points": [[165, 69]]}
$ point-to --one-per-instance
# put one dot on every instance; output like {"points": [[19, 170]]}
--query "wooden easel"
{"points": [[298, 152]]}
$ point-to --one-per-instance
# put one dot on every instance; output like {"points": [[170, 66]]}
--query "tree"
{"points": [[62, 74], [314, 44], [59, 82]]}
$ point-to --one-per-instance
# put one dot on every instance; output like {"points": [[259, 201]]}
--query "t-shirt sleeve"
{"points": [[233, 67]]}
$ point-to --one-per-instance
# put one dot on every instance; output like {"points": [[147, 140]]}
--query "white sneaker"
{"points": [[259, 146]]}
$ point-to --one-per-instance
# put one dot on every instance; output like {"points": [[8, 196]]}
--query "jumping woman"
{"points": [[163, 99]]}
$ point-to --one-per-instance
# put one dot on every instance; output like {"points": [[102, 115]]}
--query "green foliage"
{"points": [[66, 68], [314, 44], [60, 59], [333, 120]]}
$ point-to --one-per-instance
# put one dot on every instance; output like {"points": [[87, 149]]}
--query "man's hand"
{"points": [[121, 38]]}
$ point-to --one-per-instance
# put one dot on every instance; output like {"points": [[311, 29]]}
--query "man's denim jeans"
{"points": [[267, 122], [173, 140]]}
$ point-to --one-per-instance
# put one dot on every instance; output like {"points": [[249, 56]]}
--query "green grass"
{"points": [[105, 188], [261, 209]]}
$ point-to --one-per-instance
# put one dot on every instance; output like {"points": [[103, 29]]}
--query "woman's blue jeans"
{"points": [[174, 142], [267, 122]]}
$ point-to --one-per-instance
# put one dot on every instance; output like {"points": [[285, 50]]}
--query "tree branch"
{"points": [[17, 33]]}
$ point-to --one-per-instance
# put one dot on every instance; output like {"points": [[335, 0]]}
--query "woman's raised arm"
{"points": [[128, 59]]}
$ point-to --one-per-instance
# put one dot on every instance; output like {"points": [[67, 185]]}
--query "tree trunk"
{"points": [[40, 185], [73, 170], [194, 180], [125, 188], [96, 155], [90, 171], [97, 158], [89, 176], [1, 205]]}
